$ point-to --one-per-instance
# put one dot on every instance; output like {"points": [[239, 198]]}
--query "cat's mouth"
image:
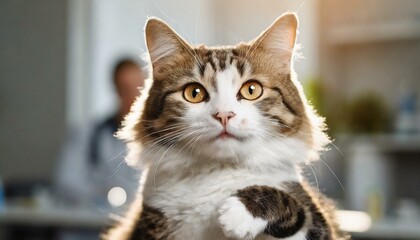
{"points": [[226, 135]]}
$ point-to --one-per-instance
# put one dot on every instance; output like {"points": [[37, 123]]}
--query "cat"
{"points": [[221, 132]]}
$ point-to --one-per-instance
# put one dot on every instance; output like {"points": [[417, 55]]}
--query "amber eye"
{"points": [[195, 93], [251, 90]]}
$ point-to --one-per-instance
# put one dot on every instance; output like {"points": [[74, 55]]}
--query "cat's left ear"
{"points": [[280, 37], [162, 41]]}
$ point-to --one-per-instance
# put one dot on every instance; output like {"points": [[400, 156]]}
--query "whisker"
{"points": [[164, 140], [118, 168], [316, 179], [116, 156], [197, 139], [342, 187], [301, 5], [163, 130], [342, 154], [158, 163], [186, 143]]}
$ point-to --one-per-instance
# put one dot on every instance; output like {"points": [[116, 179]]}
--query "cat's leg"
{"points": [[257, 209], [238, 222], [319, 212], [262, 209]]}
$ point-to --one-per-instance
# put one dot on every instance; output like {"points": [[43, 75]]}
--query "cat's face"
{"points": [[228, 102]]}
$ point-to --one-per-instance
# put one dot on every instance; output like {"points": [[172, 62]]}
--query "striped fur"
{"points": [[204, 186]]}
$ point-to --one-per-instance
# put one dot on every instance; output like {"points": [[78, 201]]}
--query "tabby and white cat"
{"points": [[222, 131]]}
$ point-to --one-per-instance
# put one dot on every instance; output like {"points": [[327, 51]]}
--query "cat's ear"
{"points": [[162, 41], [280, 37]]}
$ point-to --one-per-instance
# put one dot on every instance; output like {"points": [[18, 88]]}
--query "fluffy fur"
{"points": [[201, 185]]}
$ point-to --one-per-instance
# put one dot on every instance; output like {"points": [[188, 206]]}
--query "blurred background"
{"points": [[62, 94]]}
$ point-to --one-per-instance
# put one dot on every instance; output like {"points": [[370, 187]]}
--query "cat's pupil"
{"points": [[251, 89], [195, 92]]}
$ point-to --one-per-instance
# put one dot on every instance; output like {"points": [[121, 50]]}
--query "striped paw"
{"points": [[237, 222]]}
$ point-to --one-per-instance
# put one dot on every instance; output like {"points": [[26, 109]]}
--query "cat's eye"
{"points": [[195, 93], [251, 90]]}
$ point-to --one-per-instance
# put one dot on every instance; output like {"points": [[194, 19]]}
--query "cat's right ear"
{"points": [[280, 37], [162, 41]]}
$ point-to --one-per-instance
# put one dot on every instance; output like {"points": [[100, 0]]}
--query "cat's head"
{"points": [[237, 104]]}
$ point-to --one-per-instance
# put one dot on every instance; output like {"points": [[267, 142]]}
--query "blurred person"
{"points": [[92, 161]]}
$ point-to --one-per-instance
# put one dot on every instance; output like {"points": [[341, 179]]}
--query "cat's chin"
{"points": [[223, 147]]}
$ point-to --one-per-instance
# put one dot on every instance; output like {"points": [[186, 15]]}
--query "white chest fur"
{"points": [[191, 202]]}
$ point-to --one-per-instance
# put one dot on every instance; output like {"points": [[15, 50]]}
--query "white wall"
{"points": [[78, 61], [32, 87]]}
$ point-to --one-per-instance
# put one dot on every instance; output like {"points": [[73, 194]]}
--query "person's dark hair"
{"points": [[121, 64]]}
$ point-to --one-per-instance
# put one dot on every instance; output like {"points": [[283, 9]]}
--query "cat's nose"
{"points": [[224, 117]]}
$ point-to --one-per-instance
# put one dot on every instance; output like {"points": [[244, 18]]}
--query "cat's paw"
{"points": [[237, 222]]}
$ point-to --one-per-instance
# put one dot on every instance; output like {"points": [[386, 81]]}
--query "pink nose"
{"points": [[224, 117]]}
